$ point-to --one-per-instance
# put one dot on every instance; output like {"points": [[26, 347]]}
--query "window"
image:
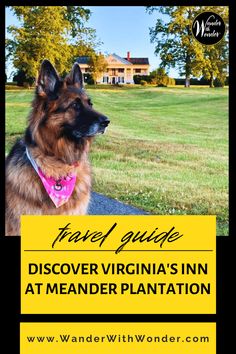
{"points": [[87, 70], [121, 70], [121, 79], [137, 70]]}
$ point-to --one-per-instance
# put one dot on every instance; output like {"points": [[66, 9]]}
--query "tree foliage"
{"points": [[177, 47], [156, 77], [160, 78], [21, 79], [97, 65], [52, 32], [216, 62]]}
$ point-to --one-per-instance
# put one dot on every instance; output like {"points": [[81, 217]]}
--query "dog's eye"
{"points": [[76, 105]]}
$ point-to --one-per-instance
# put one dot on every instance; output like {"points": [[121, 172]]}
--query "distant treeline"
{"points": [[167, 81], [203, 82]]}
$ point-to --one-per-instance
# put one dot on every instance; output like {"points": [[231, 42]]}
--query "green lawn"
{"points": [[165, 151]]}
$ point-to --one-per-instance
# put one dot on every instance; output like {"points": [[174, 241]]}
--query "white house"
{"points": [[119, 70]]}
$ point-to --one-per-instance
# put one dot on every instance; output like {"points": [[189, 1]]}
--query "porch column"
{"points": [[131, 74], [125, 76]]}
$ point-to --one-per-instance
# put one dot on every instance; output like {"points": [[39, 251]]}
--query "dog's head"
{"points": [[70, 99], [62, 111]]}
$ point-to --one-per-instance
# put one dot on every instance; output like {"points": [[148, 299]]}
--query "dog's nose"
{"points": [[104, 121]]}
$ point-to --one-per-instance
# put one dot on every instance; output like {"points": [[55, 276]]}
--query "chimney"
{"points": [[128, 55]]}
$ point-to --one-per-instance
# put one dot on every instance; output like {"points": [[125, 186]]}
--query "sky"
{"points": [[121, 29]]}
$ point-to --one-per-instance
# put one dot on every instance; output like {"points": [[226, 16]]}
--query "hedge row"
{"points": [[148, 79]]}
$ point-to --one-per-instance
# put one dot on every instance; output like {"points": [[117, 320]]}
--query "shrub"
{"points": [[26, 85], [88, 79], [138, 78], [171, 81], [20, 78], [219, 81], [143, 82], [153, 81]]}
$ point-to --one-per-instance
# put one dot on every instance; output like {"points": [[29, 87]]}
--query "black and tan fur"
{"points": [[61, 126]]}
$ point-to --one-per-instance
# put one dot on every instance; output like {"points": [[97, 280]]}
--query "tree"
{"points": [[217, 61], [217, 56], [85, 47], [46, 32], [216, 64], [21, 79], [97, 65], [175, 43], [160, 78]]}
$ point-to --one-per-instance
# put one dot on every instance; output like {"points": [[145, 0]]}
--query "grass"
{"points": [[165, 151]]}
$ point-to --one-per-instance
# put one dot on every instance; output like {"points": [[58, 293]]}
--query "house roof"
{"points": [[122, 60], [143, 61], [82, 60], [140, 61]]}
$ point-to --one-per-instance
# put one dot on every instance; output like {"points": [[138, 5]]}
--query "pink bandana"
{"points": [[58, 190]]}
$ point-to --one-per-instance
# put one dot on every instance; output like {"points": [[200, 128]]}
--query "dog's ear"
{"points": [[76, 76], [48, 80]]}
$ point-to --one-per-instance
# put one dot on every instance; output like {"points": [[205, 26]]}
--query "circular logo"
{"points": [[208, 28]]}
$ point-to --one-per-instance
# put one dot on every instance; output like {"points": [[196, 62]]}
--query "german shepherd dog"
{"points": [[48, 172]]}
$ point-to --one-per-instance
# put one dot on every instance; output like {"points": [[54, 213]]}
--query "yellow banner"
{"points": [[106, 338], [118, 264]]}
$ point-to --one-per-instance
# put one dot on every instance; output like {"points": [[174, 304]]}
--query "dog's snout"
{"points": [[104, 121]]}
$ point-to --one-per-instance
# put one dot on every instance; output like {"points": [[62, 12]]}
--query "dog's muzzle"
{"points": [[103, 123], [97, 126]]}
